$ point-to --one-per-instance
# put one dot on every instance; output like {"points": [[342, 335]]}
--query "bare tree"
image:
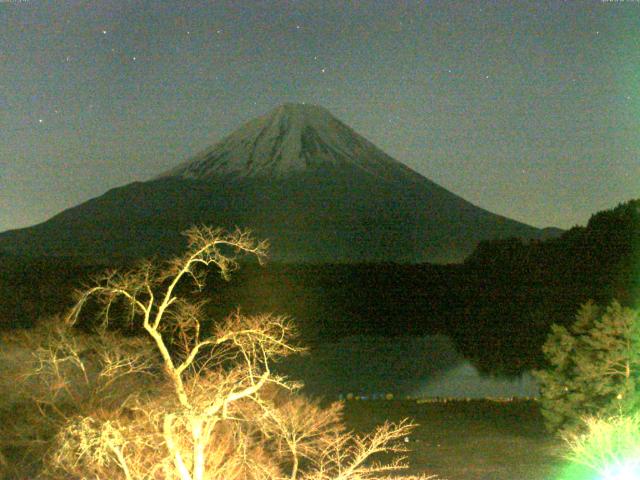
{"points": [[53, 374], [211, 407]]}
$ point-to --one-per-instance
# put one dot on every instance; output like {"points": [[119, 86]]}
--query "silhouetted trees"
{"points": [[516, 290]]}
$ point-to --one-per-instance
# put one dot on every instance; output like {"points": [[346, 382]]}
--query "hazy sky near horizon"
{"points": [[530, 109]]}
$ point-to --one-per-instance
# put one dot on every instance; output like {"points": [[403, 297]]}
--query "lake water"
{"points": [[427, 366]]}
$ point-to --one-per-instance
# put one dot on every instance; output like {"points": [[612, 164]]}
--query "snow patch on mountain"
{"points": [[290, 139]]}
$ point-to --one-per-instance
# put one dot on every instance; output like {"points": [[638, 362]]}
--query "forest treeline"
{"points": [[519, 289], [498, 305]]}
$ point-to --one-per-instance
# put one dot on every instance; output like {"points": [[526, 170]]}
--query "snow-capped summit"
{"points": [[291, 138]]}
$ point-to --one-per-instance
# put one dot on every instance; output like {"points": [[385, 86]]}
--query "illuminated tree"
{"points": [[190, 400], [594, 367]]}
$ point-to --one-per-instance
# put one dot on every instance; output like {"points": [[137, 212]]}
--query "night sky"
{"points": [[529, 109]]}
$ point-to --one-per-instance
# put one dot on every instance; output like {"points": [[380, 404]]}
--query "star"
{"points": [[40, 120], [104, 32], [323, 70]]}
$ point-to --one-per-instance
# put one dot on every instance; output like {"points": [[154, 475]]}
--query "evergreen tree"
{"points": [[593, 367]]}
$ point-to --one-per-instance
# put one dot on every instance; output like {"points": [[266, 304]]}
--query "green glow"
{"points": [[577, 472], [629, 470], [609, 450]]}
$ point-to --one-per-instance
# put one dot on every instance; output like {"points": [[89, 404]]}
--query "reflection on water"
{"points": [[417, 366]]}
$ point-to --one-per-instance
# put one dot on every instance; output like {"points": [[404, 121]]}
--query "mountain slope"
{"points": [[297, 176]]}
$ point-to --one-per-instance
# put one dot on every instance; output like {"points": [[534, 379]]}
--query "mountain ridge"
{"points": [[298, 176]]}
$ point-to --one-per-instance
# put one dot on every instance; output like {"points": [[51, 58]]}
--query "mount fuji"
{"points": [[297, 176]]}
